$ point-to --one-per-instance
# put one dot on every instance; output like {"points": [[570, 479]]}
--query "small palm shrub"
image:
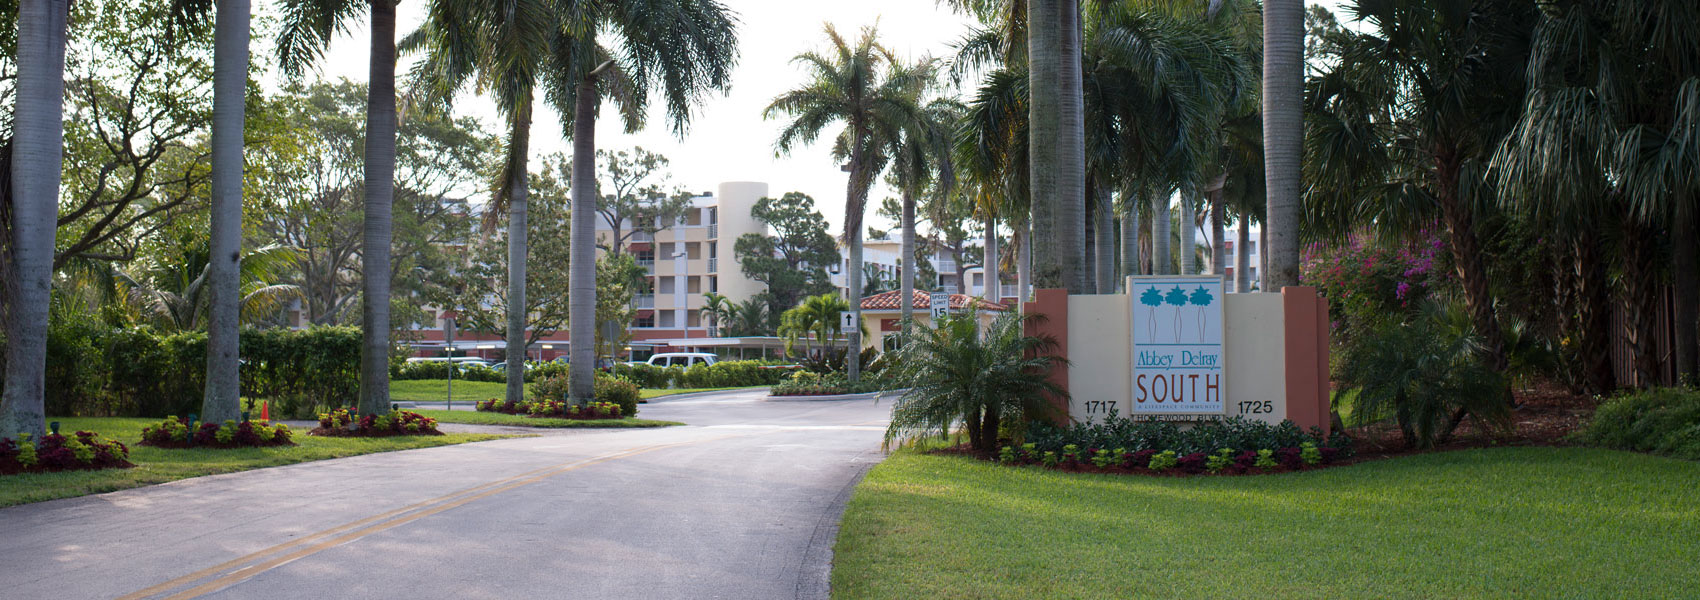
{"points": [[1662, 421], [960, 375], [1423, 376]]}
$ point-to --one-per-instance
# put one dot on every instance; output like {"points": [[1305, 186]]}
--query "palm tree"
{"points": [[876, 97], [717, 309], [26, 251], [921, 157], [1057, 148], [960, 374], [1283, 136], [817, 315], [1606, 139], [1404, 125], [686, 49], [230, 85], [175, 292], [307, 29]]}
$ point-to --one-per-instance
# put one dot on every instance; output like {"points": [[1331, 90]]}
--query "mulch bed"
{"points": [[1546, 415]]}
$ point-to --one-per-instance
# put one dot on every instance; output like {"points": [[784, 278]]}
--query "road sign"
{"points": [[940, 304], [847, 321]]}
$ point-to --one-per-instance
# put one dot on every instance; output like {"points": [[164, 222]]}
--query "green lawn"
{"points": [[156, 465], [493, 418], [436, 390], [1497, 523]]}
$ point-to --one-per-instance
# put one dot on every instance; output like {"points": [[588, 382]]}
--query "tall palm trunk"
{"points": [[380, 197], [1283, 131], [38, 144], [1640, 298], [1104, 240], [581, 279], [906, 278], [1188, 249], [1242, 257], [1467, 255], [1162, 261], [1071, 147], [519, 149], [1218, 246], [1047, 78], [1263, 260], [861, 178], [1593, 313], [989, 266], [230, 80], [1685, 268], [1130, 245], [1023, 240]]}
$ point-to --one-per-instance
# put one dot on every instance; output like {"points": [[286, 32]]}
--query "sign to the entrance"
{"points": [[846, 321], [940, 303], [1177, 345]]}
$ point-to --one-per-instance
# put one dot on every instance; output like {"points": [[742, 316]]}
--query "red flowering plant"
{"points": [[336, 424], [174, 432], [1365, 279], [83, 450]]}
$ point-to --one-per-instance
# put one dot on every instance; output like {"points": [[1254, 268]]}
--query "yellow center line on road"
{"points": [[235, 571]]}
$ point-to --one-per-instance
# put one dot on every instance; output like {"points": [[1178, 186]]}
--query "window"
{"points": [[694, 285], [667, 320], [979, 279], [1251, 247], [644, 321], [713, 284]]}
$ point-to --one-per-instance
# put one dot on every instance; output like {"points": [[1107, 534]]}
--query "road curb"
{"points": [[866, 396]]}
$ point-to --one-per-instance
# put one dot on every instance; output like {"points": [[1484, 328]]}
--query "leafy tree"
{"points": [[635, 181], [479, 289], [877, 97], [792, 261], [961, 375], [618, 278]]}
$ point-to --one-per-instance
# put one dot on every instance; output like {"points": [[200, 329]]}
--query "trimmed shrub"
{"points": [[810, 383], [607, 389], [1661, 421], [83, 451], [174, 433], [335, 424]]}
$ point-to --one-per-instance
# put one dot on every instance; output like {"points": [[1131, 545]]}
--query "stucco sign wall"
{"points": [[1177, 345]]}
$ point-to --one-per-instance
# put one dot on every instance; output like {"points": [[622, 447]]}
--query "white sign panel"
{"points": [[1177, 345], [846, 320], [940, 304]]}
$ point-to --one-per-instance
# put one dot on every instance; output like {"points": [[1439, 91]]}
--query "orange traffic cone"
{"points": [[265, 411]]}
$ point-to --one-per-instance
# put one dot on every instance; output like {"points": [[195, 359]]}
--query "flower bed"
{"points": [[553, 409], [84, 451], [806, 383], [174, 433], [336, 424], [1229, 447]]}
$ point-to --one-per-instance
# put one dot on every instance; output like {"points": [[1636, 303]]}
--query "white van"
{"points": [[682, 359]]}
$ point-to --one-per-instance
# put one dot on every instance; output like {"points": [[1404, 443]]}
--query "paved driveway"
{"points": [[741, 504]]}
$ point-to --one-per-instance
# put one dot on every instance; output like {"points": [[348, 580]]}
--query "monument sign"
{"points": [[1177, 345]]}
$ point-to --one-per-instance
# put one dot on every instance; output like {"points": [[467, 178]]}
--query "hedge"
{"points": [[95, 370], [729, 373]]}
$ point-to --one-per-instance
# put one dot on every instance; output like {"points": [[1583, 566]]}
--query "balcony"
{"points": [[643, 301], [713, 231], [945, 266], [641, 236], [714, 265], [948, 289], [1006, 291]]}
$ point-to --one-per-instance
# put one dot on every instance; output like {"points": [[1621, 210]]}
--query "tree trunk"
{"points": [[856, 201], [1685, 268], [221, 401], [1023, 239], [1050, 262], [1162, 261], [956, 255], [380, 198], [1218, 246], [1104, 242], [1242, 257], [989, 266], [519, 146], [581, 276], [1188, 249], [1071, 147], [906, 277], [1593, 312], [1640, 298], [1263, 260], [1283, 134], [1130, 245], [1471, 266], [987, 445], [38, 144]]}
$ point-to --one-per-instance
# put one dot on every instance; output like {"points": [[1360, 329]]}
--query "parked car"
{"points": [[682, 359], [503, 366], [464, 361]]}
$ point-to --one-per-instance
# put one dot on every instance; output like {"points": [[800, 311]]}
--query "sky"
{"points": [[728, 139]]}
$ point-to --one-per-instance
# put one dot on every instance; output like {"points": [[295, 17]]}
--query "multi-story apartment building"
{"points": [[1252, 256], [690, 258]]}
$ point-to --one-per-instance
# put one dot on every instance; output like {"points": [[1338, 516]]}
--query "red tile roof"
{"points": [[892, 300]]}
